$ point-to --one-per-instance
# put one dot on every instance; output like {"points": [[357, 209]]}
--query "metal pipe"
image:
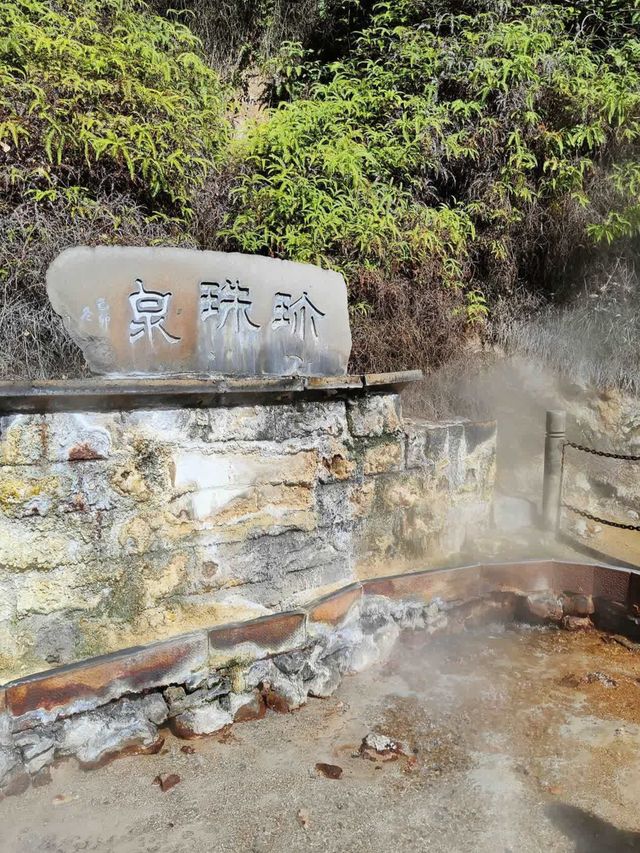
{"points": [[552, 481]]}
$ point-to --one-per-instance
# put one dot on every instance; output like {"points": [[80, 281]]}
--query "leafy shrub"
{"points": [[102, 94], [451, 146], [444, 154]]}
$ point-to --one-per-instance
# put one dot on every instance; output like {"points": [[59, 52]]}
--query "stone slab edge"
{"points": [[99, 394], [94, 682]]}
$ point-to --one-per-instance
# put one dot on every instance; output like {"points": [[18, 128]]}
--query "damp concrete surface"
{"points": [[518, 739]]}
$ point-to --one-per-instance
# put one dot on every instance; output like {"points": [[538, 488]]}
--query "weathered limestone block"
{"points": [[311, 419], [173, 311], [264, 422], [361, 498], [456, 455], [374, 414], [48, 489], [409, 490], [13, 653], [418, 456], [439, 448], [31, 491], [170, 426], [129, 725], [201, 720], [242, 495], [244, 707], [407, 515], [249, 513], [80, 437], [37, 641], [479, 434], [44, 543], [129, 481], [282, 693], [60, 589], [22, 439], [164, 576], [91, 488], [383, 457], [339, 503], [260, 464], [430, 510], [338, 461], [275, 570], [479, 462]]}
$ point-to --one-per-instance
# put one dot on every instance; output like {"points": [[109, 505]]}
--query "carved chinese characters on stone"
{"points": [[298, 317], [139, 311], [226, 300], [149, 313]]}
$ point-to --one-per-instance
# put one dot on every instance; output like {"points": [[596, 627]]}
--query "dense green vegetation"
{"points": [[446, 156], [94, 94], [110, 120]]}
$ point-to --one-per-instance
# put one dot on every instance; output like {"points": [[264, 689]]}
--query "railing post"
{"points": [[552, 483]]}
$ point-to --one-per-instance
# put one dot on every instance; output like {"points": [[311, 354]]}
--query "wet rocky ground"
{"points": [[515, 739]]}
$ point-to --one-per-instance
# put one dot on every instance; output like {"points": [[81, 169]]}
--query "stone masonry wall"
{"points": [[121, 528]]}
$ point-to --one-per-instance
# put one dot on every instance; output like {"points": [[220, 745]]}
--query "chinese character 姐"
{"points": [[299, 316], [225, 301], [150, 311]]}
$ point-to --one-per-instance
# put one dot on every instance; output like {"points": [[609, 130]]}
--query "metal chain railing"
{"points": [[599, 520], [623, 456]]}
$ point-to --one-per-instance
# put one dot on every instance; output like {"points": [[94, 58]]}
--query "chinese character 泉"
{"points": [[150, 311]]}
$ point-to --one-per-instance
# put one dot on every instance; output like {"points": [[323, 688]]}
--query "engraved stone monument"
{"points": [[170, 312]]}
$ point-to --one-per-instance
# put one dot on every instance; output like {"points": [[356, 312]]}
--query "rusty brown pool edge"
{"points": [[93, 682]]}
